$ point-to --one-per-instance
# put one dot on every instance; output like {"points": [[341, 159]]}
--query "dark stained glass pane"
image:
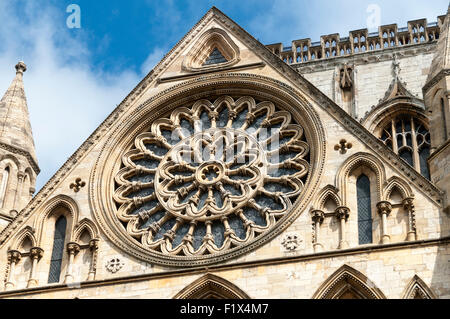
{"points": [[424, 154], [364, 210], [407, 156], [408, 139], [215, 57], [399, 140], [58, 250]]}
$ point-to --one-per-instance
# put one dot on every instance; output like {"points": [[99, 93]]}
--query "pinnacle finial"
{"points": [[21, 67]]}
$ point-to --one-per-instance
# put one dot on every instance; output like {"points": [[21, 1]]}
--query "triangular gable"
{"points": [[260, 54], [396, 89], [397, 99]]}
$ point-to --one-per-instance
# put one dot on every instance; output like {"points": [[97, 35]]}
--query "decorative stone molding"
{"points": [[72, 249], [212, 38], [384, 209], [317, 217], [77, 185], [36, 254], [442, 74], [24, 153], [328, 192], [211, 286], [408, 205], [347, 279], [399, 184], [291, 242], [85, 225], [418, 289], [364, 58], [59, 201], [342, 213], [346, 77], [93, 246], [359, 44], [357, 160], [26, 232], [343, 146], [379, 116], [14, 257], [113, 265], [292, 275]]}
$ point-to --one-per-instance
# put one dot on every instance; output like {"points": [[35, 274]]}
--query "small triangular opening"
{"points": [[215, 57]]}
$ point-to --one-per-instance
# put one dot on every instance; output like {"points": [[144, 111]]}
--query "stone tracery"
{"points": [[211, 177]]}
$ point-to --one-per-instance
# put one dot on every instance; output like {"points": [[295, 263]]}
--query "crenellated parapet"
{"points": [[359, 41]]}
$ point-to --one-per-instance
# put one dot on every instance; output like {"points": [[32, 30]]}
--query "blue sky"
{"points": [[76, 77]]}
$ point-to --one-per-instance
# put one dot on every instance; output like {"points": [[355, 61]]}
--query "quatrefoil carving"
{"points": [[77, 185], [343, 146]]}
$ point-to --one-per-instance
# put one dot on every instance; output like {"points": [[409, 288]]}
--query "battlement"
{"points": [[359, 41]]}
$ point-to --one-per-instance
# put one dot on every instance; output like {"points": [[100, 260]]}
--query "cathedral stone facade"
{"points": [[241, 170]]}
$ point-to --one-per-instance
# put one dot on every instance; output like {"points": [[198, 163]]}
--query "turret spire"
{"points": [[18, 163], [15, 128]]}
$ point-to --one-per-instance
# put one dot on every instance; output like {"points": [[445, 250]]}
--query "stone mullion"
{"points": [[425, 31], [394, 137], [35, 254], [342, 214], [14, 257], [294, 53], [396, 38], [404, 135], [384, 209], [72, 249], [411, 35], [17, 196], [415, 147], [408, 205], [317, 218], [93, 246]]}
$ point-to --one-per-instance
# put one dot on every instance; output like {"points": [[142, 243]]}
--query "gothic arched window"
{"points": [[3, 186], [410, 139], [364, 210], [58, 250]]}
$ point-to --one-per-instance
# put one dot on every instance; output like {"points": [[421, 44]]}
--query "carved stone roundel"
{"points": [[211, 176]]}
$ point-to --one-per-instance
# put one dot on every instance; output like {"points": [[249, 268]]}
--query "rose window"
{"points": [[211, 176]]}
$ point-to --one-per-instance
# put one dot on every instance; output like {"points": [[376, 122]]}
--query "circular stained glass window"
{"points": [[211, 176]]}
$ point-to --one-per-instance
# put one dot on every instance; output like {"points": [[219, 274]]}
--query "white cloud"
{"points": [[152, 60], [67, 99]]}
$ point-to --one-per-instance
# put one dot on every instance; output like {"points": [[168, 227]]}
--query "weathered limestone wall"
{"points": [[297, 271], [372, 78], [390, 270]]}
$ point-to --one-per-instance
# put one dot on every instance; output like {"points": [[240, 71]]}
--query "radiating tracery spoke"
{"points": [[211, 177]]}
